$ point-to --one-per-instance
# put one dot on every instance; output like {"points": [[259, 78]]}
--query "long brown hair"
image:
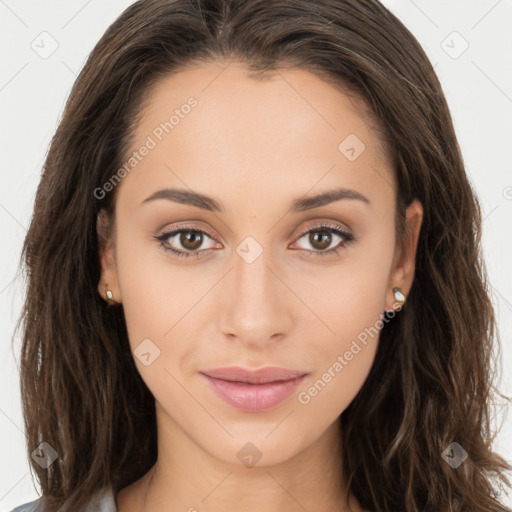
{"points": [[432, 380]]}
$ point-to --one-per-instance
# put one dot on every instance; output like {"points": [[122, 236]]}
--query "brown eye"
{"points": [[321, 237], [185, 241]]}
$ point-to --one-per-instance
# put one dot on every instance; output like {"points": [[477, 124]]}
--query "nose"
{"points": [[255, 303]]}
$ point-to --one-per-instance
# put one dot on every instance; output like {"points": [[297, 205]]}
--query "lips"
{"points": [[260, 376], [253, 390]]}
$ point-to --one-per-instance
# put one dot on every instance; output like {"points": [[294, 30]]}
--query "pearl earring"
{"points": [[399, 296], [110, 297]]}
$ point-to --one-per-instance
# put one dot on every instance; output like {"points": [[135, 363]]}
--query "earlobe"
{"points": [[107, 294], [399, 300]]}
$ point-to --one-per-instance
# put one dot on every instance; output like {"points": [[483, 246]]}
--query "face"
{"points": [[262, 274]]}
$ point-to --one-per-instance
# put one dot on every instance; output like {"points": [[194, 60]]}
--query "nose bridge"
{"points": [[252, 274], [254, 308]]}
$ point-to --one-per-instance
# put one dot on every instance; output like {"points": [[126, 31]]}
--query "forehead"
{"points": [[215, 129]]}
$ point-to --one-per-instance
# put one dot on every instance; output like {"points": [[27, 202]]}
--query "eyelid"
{"points": [[318, 224]]}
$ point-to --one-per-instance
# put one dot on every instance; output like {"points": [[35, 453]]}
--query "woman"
{"points": [[255, 275]]}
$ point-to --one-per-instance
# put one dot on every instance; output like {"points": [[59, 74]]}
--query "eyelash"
{"points": [[349, 239]]}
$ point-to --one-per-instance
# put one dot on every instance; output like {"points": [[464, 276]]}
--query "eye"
{"points": [[321, 237], [189, 239]]}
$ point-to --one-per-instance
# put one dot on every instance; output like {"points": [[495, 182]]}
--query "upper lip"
{"points": [[259, 376]]}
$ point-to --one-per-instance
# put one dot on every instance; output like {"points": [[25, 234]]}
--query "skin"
{"points": [[254, 146]]}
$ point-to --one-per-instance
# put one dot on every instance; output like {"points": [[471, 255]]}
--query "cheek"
{"points": [[350, 303], [155, 295], [349, 297], [343, 357], [161, 303]]}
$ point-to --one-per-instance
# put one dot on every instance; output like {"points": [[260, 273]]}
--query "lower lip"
{"points": [[254, 397]]}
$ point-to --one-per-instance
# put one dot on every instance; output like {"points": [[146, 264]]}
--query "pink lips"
{"points": [[253, 390]]}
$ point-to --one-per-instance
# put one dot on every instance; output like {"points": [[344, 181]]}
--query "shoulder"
{"points": [[31, 506], [102, 501]]}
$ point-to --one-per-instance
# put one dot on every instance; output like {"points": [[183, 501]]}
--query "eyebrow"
{"points": [[208, 203]]}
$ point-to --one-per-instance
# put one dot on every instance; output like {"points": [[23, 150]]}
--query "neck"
{"points": [[186, 477]]}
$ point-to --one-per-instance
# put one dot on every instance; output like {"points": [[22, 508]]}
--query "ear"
{"points": [[404, 263], [106, 252]]}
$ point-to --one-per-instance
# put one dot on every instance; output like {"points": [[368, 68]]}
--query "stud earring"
{"points": [[399, 296], [110, 296]]}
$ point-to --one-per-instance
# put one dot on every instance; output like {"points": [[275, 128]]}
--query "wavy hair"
{"points": [[431, 383]]}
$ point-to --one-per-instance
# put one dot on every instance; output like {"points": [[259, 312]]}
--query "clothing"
{"points": [[102, 501]]}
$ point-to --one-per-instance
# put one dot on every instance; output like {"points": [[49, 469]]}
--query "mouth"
{"points": [[253, 390], [264, 375]]}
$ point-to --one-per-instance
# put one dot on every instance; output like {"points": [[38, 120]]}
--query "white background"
{"points": [[33, 90]]}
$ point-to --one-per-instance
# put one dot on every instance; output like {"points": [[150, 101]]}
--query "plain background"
{"points": [[468, 42]]}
